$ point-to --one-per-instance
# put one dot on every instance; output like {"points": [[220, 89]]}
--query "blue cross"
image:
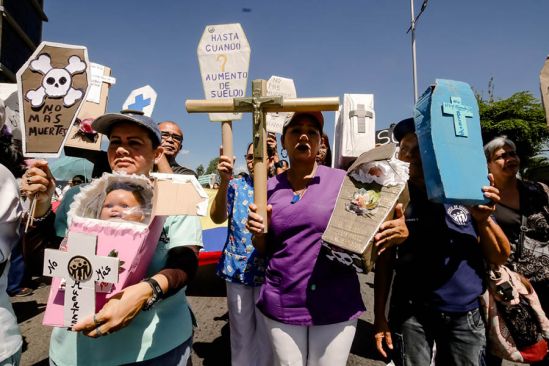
{"points": [[459, 112], [139, 103]]}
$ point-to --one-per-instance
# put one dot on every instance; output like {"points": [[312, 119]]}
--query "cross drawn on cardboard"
{"points": [[81, 268], [259, 104], [459, 112]]}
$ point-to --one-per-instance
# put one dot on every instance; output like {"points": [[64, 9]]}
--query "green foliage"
{"points": [[200, 170], [212, 166], [521, 118]]}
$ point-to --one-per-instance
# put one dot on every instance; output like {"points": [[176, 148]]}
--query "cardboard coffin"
{"points": [[448, 129], [349, 235], [52, 87], [82, 140], [134, 243], [544, 87], [354, 131]]}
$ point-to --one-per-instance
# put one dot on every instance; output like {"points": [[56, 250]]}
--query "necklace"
{"points": [[298, 195]]}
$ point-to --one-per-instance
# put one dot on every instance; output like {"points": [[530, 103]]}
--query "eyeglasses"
{"points": [[506, 155], [249, 157], [175, 137]]}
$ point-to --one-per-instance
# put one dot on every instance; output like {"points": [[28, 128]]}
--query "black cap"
{"points": [[403, 127], [104, 123]]}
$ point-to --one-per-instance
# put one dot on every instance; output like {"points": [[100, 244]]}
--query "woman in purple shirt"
{"points": [[311, 304]]}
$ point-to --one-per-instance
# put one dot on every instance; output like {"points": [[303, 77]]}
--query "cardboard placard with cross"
{"points": [[259, 104], [141, 99], [81, 268]]}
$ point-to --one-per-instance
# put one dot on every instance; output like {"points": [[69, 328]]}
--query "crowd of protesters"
{"points": [[288, 304]]}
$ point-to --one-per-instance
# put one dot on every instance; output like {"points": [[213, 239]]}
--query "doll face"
{"points": [[122, 204]]}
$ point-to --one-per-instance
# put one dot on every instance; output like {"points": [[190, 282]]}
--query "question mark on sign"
{"points": [[224, 57]]}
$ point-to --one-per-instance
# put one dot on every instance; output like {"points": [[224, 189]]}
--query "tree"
{"points": [[200, 170], [212, 166], [521, 118]]}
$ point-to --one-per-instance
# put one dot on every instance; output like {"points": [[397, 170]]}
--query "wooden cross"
{"points": [[259, 104], [80, 268], [459, 112]]}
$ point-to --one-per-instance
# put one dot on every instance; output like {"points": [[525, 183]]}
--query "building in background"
{"points": [[20, 34]]}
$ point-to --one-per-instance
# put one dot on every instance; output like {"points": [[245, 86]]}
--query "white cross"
{"points": [[81, 268]]}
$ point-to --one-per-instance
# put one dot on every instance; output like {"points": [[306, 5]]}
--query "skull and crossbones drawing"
{"points": [[57, 82]]}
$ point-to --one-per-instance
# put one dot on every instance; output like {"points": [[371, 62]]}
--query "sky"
{"points": [[328, 48]]}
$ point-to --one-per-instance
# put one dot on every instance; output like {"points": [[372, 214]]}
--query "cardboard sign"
{"points": [[141, 99], [350, 233], [354, 131], [82, 138], [81, 269], [224, 58], [279, 86], [448, 130], [8, 93], [544, 86], [52, 87], [133, 243]]}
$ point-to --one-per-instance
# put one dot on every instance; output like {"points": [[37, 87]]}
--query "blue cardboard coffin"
{"points": [[448, 129]]}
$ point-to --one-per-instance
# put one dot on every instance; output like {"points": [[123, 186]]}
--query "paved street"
{"points": [[211, 340]]}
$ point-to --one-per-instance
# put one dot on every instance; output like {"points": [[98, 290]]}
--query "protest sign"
{"points": [[224, 58], [141, 99], [8, 93], [447, 126], [81, 269], [283, 87], [52, 86], [82, 138], [544, 86]]}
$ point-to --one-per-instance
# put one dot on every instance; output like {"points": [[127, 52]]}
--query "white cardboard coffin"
{"points": [[354, 131]]}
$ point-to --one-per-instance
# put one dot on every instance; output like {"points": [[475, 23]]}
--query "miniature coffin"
{"points": [[374, 184], [52, 86], [132, 243], [82, 140], [544, 88], [448, 130], [354, 131]]}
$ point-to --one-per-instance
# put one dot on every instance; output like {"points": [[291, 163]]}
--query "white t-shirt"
{"points": [[10, 217]]}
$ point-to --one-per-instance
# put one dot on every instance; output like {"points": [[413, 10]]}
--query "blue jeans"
{"points": [[459, 337]]}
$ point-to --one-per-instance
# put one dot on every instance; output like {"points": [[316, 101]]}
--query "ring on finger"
{"points": [[97, 324], [98, 332]]}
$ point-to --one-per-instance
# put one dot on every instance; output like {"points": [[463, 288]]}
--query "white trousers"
{"points": [[318, 345], [250, 345]]}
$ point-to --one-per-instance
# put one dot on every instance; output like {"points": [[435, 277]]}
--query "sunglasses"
{"points": [[175, 137], [249, 157], [506, 155]]}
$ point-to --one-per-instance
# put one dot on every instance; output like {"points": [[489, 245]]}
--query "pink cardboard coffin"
{"points": [[134, 242]]}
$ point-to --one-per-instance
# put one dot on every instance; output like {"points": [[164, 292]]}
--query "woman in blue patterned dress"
{"points": [[241, 265]]}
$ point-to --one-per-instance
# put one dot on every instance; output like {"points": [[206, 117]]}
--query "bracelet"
{"points": [[157, 293], [41, 218]]}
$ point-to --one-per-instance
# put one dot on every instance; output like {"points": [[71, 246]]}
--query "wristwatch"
{"points": [[157, 293]]}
